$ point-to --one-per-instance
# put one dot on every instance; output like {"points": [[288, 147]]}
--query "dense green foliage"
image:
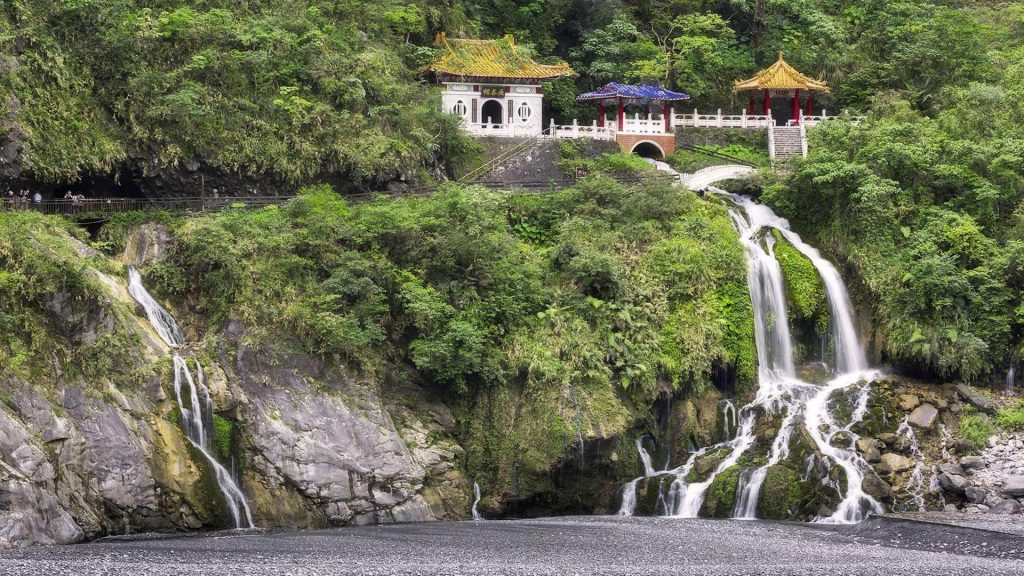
{"points": [[925, 200], [296, 89], [50, 299], [624, 286]]}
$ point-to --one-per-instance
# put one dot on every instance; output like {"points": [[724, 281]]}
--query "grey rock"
{"points": [[1014, 486], [924, 416], [953, 483], [870, 449], [895, 462], [975, 495], [908, 402], [972, 462], [983, 403], [1007, 506], [877, 488]]}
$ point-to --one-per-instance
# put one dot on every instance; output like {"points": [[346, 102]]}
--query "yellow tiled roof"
{"points": [[465, 57], [781, 76]]}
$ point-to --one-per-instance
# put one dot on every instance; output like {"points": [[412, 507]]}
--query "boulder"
{"points": [[908, 402], [1014, 486], [953, 483], [870, 449], [896, 463], [972, 462], [887, 437], [1008, 506], [983, 403], [952, 469], [975, 495], [877, 488], [924, 416]]}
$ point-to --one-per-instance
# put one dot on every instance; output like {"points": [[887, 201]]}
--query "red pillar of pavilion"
{"points": [[796, 107], [810, 103], [665, 115], [600, 114], [767, 103], [622, 115]]}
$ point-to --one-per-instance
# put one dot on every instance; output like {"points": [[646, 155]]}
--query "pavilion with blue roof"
{"points": [[620, 94]]}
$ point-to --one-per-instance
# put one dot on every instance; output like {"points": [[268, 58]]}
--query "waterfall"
{"points": [[628, 491], [477, 516], [628, 506], [729, 419], [195, 403], [1010, 380], [779, 388], [645, 458], [915, 483]]}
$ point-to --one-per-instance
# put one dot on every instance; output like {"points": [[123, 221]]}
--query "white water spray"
{"points": [[778, 386], [194, 402], [477, 516]]}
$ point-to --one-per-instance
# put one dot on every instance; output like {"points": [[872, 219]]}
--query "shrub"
{"points": [[976, 428], [1011, 418]]}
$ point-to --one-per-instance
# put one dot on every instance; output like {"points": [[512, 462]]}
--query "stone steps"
{"points": [[788, 142]]}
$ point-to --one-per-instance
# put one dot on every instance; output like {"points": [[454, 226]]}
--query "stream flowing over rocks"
{"points": [[312, 444]]}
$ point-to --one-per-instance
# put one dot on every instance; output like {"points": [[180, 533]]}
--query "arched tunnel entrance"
{"points": [[648, 150]]}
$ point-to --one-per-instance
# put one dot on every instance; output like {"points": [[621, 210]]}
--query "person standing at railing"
{"points": [[37, 200]]}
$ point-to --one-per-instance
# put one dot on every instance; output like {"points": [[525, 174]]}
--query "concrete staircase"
{"points": [[787, 142]]}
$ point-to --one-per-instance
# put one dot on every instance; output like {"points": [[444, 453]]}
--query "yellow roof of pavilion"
{"points": [[465, 57], [781, 76]]}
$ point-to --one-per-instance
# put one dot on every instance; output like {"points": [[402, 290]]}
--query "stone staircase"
{"points": [[787, 142]]}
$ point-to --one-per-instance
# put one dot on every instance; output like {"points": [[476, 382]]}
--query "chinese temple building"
{"points": [[781, 79], [493, 86], [653, 126]]}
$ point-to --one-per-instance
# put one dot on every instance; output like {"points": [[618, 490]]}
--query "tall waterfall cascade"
{"points": [[193, 398], [780, 391]]}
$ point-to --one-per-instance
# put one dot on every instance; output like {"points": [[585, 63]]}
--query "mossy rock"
{"points": [[721, 495], [781, 494], [648, 494]]}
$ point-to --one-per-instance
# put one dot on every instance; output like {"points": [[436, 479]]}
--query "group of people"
{"points": [[21, 200]]}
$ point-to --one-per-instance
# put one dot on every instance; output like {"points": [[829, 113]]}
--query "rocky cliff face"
{"points": [[314, 444]]}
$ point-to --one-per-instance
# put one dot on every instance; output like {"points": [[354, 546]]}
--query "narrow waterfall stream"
{"points": [[780, 390], [477, 516], [194, 402]]}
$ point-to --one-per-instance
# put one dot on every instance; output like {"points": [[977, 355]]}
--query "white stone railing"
{"points": [[576, 130], [815, 119], [511, 130], [638, 125], [718, 120]]}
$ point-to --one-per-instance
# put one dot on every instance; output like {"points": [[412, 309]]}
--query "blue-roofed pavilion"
{"points": [[622, 93]]}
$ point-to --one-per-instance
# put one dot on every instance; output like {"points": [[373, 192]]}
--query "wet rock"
{"points": [[870, 449], [908, 402], [877, 488], [983, 403], [887, 437], [146, 244], [924, 416], [895, 463]]}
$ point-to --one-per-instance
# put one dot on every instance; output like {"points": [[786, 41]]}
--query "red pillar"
{"points": [[796, 106], [810, 103], [665, 115], [622, 115], [600, 114], [767, 103]]}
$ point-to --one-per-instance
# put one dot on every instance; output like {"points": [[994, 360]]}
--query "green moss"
{"points": [[721, 495], [781, 494], [805, 292], [223, 429], [975, 428]]}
